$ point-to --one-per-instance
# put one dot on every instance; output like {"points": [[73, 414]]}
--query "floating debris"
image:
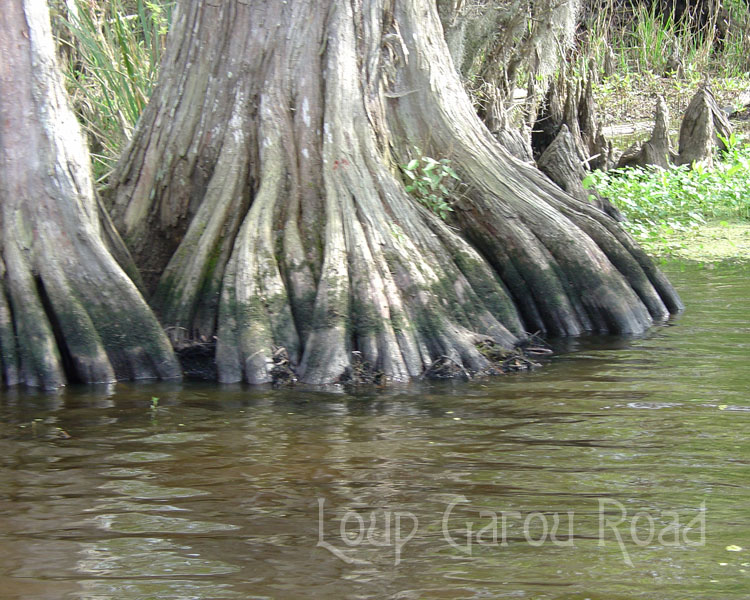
{"points": [[282, 373], [361, 372]]}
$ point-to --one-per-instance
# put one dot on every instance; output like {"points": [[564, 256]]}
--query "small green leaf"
{"points": [[734, 170], [451, 172]]}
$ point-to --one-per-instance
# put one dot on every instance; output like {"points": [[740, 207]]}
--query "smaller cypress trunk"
{"points": [[68, 312]]}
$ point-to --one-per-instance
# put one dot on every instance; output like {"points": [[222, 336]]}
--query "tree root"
{"points": [[277, 221], [68, 312], [516, 359], [446, 367]]}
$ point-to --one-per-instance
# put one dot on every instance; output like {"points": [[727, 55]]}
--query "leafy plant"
{"points": [[657, 201], [431, 182]]}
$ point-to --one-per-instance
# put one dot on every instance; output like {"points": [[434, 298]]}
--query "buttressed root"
{"points": [[271, 213]]}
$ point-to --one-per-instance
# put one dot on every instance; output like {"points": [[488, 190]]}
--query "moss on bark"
{"points": [[276, 185], [68, 312]]}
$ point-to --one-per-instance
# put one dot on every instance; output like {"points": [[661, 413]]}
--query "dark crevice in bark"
{"points": [[68, 361], [9, 350], [198, 361]]}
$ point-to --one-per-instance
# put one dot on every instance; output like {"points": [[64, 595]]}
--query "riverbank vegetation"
{"points": [[686, 38], [111, 52], [690, 211]]}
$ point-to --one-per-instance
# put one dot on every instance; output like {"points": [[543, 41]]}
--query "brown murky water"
{"points": [[620, 470]]}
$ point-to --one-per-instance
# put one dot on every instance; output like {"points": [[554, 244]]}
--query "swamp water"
{"points": [[619, 470]]}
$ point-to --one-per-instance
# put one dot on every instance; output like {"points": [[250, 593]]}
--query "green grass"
{"points": [[658, 202], [642, 41], [111, 53]]}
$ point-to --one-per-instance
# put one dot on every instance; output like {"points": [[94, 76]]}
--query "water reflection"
{"points": [[147, 491], [226, 492], [156, 563]]}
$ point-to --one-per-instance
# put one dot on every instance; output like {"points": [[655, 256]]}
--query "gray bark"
{"points": [[571, 103], [493, 41], [657, 150], [67, 310], [262, 201], [563, 163], [702, 128]]}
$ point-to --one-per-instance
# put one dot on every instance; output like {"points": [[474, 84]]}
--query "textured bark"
{"points": [[657, 150], [570, 103], [563, 164], [569, 140], [67, 310], [262, 200], [701, 127], [492, 42]]}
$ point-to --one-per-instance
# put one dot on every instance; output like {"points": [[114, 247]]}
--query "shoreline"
{"points": [[717, 241]]}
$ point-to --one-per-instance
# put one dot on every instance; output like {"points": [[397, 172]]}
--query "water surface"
{"points": [[619, 470]]}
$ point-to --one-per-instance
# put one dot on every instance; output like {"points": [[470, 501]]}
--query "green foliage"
{"points": [[431, 182], [656, 202], [111, 52]]}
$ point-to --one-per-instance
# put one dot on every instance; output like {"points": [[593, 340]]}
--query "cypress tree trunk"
{"points": [[67, 310], [262, 200]]}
